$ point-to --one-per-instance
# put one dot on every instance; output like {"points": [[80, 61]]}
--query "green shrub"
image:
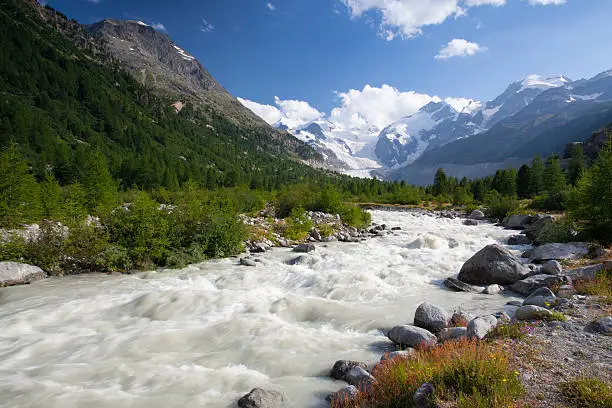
{"points": [[325, 230], [514, 331], [13, 248], [355, 216], [562, 230], [499, 206], [587, 393], [555, 202], [298, 224]]}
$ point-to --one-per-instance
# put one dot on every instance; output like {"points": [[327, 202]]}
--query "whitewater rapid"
{"points": [[206, 335]]}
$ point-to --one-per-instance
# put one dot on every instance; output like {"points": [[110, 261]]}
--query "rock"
{"points": [[343, 397], [557, 251], [453, 243], [567, 290], [480, 326], [493, 264], [527, 286], [551, 268], [457, 285], [587, 272], [470, 223], [493, 290], [452, 333], [247, 262], [519, 240], [300, 260], [411, 336], [423, 396], [259, 248], [535, 230], [531, 313], [396, 229], [519, 221], [304, 248], [461, 318], [477, 215], [542, 297], [360, 378], [316, 235], [431, 317], [401, 354], [341, 368], [15, 273], [602, 326], [516, 303], [260, 398]]}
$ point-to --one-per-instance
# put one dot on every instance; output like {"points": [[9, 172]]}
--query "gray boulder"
{"points": [[247, 262], [458, 286], [360, 378], [461, 318], [493, 264], [587, 272], [558, 251], [342, 367], [530, 312], [551, 268], [542, 297], [470, 223], [480, 326], [423, 396], [519, 240], [452, 333], [343, 397], [300, 260], [477, 215], [519, 221], [304, 248], [260, 398], [259, 248], [535, 231], [400, 354], [431, 317], [411, 336], [15, 273], [527, 286], [494, 289], [601, 326]]}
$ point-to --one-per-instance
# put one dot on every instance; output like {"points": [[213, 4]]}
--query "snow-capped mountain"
{"points": [[437, 124]]}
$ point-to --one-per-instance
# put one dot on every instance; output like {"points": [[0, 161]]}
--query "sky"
{"points": [[371, 62]]}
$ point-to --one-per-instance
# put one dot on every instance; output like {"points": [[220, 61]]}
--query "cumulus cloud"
{"points": [[159, 26], [206, 27], [292, 113], [458, 47], [373, 106]]}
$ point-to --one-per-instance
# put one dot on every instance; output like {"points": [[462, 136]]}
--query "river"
{"points": [[205, 335]]}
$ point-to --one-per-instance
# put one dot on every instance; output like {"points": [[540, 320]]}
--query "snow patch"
{"points": [[183, 54], [541, 82]]}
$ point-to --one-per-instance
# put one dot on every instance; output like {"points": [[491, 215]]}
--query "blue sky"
{"points": [[316, 51]]}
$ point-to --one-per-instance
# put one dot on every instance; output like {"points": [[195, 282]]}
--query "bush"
{"points": [[355, 216], [587, 393], [601, 286], [514, 331], [555, 202], [298, 224], [562, 230], [464, 373], [499, 206]]}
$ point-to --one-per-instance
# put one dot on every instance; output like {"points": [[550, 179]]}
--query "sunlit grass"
{"points": [[600, 286], [588, 393]]}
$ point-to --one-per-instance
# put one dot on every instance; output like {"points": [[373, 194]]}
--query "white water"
{"points": [[205, 335]]}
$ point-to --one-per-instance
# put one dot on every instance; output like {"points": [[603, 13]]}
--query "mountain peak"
{"points": [[541, 82]]}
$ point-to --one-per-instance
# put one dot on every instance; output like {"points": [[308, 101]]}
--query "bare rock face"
{"points": [[493, 264], [14, 273]]}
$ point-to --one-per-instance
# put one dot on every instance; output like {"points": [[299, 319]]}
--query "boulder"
{"points": [[360, 378], [260, 398], [453, 243], [551, 268], [422, 397], [15, 273], [343, 397], [527, 286], [431, 317], [519, 240], [602, 326], [457, 285], [535, 230], [480, 326], [493, 290], [461, 318], [542, 297], [411, 336], [304, 248], [401, 354], [470, 222], [558, 251], [531, 312], [477, 215], [587, 272], [259, 248], [515, 303], [341, 368], [300, 260], [493, 264], [519, 221], [452, 333], [247, 262], [396, 229]]}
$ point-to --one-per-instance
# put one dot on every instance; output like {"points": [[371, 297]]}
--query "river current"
{"points": [[206, 335]]}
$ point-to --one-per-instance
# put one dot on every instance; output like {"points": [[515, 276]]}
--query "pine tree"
{"points": [[100, 188], [440, 184], [577, 164], [19, 192], [50, 196], [554, 180], [523, 181], [536, 183]]}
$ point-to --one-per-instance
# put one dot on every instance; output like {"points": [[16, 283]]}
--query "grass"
{"points": [[600, 286], [465, 374], [587, 393], [514, 331]]}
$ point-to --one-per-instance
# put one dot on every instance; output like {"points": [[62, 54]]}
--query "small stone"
{"points": [[528, 313], [470, 223], [480, 326], [452, 333], [360, 378], [343, 397], [342, 367], [247, 262], [423, 396], [519, 240], [260, 398], [551, 268], [601, 326], [493, 290], [401, 354]]}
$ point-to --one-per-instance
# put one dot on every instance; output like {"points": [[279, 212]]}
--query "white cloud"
{"points": [[547, 2], [271, 6], [474, 3], [159, 26], [376, 106], [206, 27], [292, 113], [458, 47]]}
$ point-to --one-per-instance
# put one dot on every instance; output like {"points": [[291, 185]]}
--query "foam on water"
{"points": [[205, 335]]}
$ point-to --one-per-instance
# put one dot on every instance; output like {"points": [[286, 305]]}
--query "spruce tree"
{"points": [[523, 179], [50, 196], [536, 184], [554, 180], [577, 164], [100, 188]]}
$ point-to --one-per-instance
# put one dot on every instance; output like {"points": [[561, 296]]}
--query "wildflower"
{"points": [[504, 380]]}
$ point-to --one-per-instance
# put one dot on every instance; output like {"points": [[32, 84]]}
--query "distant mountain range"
{"points": [[535, 115]]}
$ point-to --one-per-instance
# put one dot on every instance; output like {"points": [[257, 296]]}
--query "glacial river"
{"points": [[206, 335]]}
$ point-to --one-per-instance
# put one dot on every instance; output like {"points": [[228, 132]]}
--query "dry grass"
{"points": [[600, 286], [465, 374]]}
